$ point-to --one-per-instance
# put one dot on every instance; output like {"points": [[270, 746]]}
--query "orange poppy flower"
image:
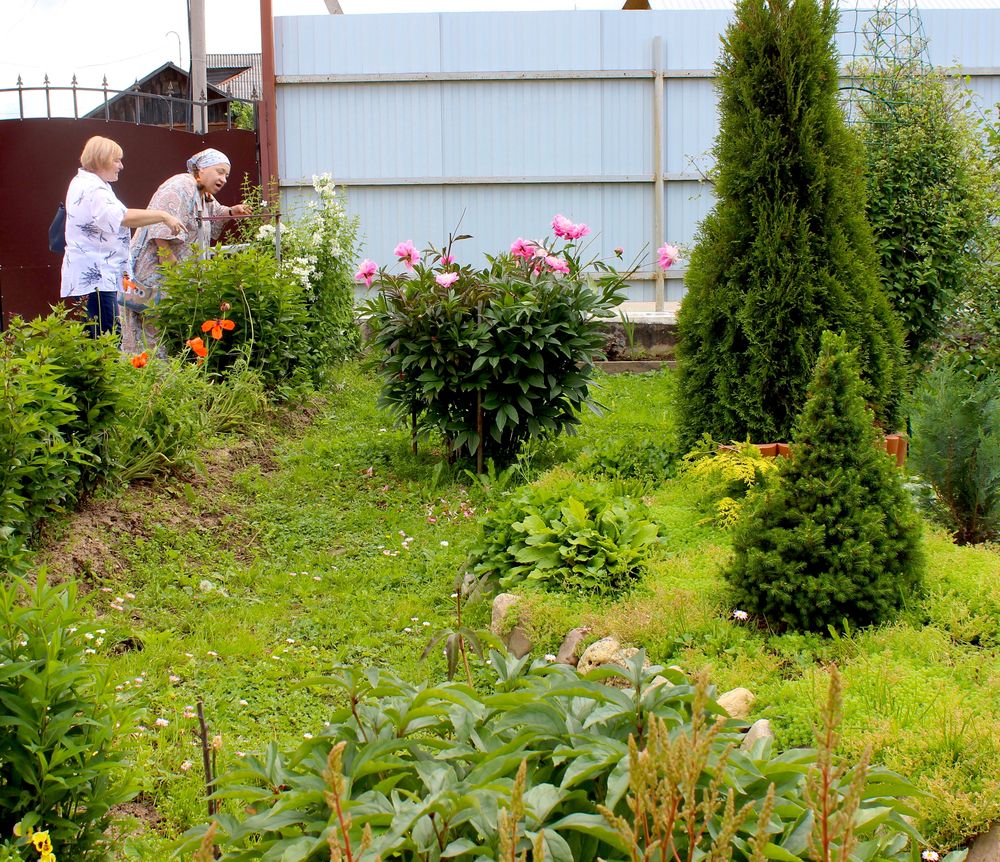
{"points": [[140, 360], [128, 284], [216, 327], [198, 346]]}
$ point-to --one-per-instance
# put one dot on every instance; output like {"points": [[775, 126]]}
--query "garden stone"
{"points": [[760, 729], [567, 652], [737, 702], [608, 651], [518, 642], [501, 607], [986, 848], [598, 653]]}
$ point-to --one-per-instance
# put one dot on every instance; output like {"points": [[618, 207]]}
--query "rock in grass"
{"points": [[737, 702], [570, 645]]}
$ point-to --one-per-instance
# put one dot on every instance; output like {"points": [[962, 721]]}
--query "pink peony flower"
{"points": [[619, 251], [366, 272], [556, 264], [561, 226], [522, 248], [447, 259], [667, 255], [446, 279], [576, 231], [407, 253]]}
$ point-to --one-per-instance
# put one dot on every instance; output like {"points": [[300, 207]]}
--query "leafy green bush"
{"points": [[835, 536], [268, 308], [971, 333], [59, 770], [955, 421], [549, 760], [925, 204], [86, 366], [59, 395], [787, 252], [563, 533], [629, 458], [497, 355]]}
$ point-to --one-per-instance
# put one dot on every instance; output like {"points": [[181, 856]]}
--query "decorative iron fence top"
{"points": [[183, 106]]}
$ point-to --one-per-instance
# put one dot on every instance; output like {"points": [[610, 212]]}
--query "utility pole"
{"points": [[199, 75]]}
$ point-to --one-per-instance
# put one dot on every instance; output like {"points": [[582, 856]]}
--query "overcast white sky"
{"points": [[125, 39]]}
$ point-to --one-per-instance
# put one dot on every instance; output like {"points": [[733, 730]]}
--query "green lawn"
{"points": [[333, 543]]}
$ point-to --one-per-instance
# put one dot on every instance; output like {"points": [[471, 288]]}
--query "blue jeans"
{"points": [[102, 312]]}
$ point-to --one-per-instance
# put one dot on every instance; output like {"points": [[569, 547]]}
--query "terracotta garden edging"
{"points": [[895, 446]]}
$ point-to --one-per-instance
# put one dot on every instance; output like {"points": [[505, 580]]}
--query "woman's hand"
{"points": [[241, 210], [176, 226]]}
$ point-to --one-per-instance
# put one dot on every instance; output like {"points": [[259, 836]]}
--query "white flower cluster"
{"points": [[303, 268], [265, 232]]}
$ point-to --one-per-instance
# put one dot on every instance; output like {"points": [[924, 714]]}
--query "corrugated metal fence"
{"points": [[501, 120]]}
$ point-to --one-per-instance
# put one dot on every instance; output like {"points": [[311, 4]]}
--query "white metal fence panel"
{"points": [[501, 120]]}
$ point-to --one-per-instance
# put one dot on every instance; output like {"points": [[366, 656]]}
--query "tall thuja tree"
{"points": [[786, 253], [835, 536]]}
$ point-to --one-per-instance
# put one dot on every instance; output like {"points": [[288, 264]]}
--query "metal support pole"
{"points": [[658, 238]]}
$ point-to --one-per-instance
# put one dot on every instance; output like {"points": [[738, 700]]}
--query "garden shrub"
{"points": [[552, 760], [786, 253], [59, 770], [59, 396], [319, 247], [971, 331], [629, 457], [955, 420], [725, 477], [513, 344], [834, 538], [267, 307], [564, 533], [925, 199], [86, 366]]}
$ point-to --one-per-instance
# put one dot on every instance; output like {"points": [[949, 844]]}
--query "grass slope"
{"points": [[341, 546]]}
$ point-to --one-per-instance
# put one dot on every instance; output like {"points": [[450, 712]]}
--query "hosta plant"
{"points": [[496, 355], [547, 762], [567, 534]]}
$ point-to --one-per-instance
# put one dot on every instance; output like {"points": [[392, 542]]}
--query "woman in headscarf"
{"points": [[191, 197], [97, 234]]}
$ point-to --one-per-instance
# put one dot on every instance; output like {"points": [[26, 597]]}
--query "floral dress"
{"points": [[96, 253], [180, 197]]}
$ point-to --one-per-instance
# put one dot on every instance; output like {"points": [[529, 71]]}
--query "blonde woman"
{"points": [[97, 234], [191, 197]]}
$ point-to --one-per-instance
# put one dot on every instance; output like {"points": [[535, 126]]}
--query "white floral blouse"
{"points": [[97, 243], [180, 197]]}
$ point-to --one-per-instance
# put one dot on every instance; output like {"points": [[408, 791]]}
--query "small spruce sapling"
{"points": [[835, 537]]}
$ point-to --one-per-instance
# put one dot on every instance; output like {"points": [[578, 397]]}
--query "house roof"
{"points": [[214, 92], [237, 74]]}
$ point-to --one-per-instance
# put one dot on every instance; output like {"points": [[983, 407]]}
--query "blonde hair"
{"points": [[99, 153]]}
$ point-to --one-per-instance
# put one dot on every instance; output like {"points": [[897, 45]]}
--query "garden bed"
{"points": [[341, 546]]}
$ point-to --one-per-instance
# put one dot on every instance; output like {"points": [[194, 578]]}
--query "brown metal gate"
{"points": [[38, 158]]}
